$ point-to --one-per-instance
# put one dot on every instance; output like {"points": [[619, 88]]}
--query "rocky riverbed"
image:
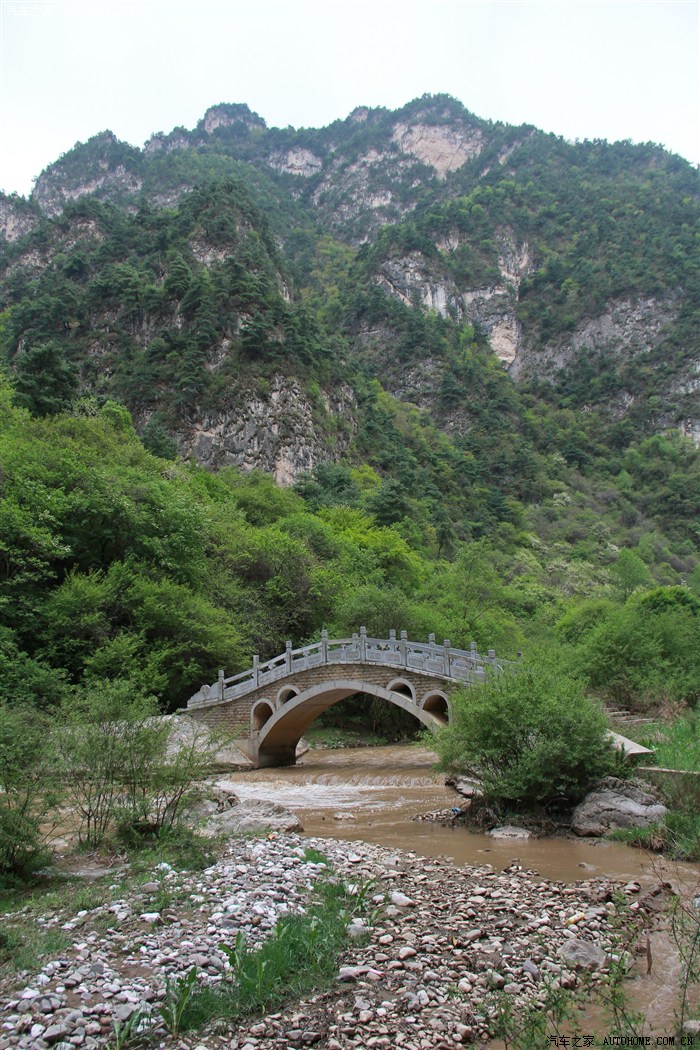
{"points": [[442, 941]]}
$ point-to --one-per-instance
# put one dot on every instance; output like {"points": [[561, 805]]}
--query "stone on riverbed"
{"points": [[582, 955], [509, 831], [616, 804], [252, 815], [464, 786]]}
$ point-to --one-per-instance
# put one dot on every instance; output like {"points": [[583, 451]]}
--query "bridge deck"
{"points": [[442, 661]]}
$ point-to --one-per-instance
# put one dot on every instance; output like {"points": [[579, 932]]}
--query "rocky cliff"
{"points": [[379, 246]]}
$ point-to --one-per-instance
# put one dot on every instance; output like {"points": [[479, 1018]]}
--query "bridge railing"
{"points": [[461, 665]]}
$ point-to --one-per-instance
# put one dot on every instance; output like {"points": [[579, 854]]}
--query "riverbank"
{"points": [[439, 948]]}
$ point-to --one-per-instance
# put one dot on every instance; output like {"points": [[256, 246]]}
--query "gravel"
{"points": [[442, 940]]}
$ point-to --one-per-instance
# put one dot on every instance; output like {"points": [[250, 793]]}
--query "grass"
{"points": [[333, 738], [677, 744], [301, 956], [178, 846], [24, 946], [678, 836]]}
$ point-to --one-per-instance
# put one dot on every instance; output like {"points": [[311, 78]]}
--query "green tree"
{"points": [[530, 735], [45, 382], [629, 573]]}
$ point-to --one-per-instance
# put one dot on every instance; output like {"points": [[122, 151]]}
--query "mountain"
{"points": [[412, 288], [469, 353]]}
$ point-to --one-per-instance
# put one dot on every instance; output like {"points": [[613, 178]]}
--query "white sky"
{"points": [[612, 69]]}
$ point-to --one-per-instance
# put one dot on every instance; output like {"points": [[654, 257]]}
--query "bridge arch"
{"points": [[261, 713], [400, 685], [286, 693], [275, 741], [437, 703]]}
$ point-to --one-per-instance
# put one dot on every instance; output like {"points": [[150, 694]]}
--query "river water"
{"points": [[373, 794]]}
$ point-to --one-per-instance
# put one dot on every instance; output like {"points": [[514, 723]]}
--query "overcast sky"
{"points": [[615, 69]]}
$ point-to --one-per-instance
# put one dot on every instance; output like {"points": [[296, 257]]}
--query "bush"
{"points": [[124, 766], [530, 735], [648, 651], [26, 798]]}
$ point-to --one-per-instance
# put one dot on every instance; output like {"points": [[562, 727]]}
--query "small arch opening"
{"points": [[286, 694], [399, 685], [260, 714], [436, 704]]}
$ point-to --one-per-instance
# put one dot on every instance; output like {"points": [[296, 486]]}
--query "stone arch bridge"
{"points": [[270, 706]]}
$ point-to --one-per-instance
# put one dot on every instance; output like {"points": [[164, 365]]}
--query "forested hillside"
{"points": [[470, 353]]}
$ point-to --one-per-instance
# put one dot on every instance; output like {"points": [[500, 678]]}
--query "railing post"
{"points": [[492, 656], [288, 656], [446, 646], [431, 643], [221, 685], [404, 649], [256, 671], [363, 644], [472, 652], [392, 640], [324, 646]]}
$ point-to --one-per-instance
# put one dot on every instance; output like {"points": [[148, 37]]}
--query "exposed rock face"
{"points": [[442, 147], [297, 161], [16, 218], [224, 115], [626, 327], [102, 176], [616, 804], [414, 276], [177, 139], [276, 433], [360, 190]]}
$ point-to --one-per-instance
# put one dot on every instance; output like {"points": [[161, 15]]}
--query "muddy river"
{"points": [[373, 794]]}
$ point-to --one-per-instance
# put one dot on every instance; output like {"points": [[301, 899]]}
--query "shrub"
{"points": [[125, 766], [26, 798], [530, 735], [648, 651]]}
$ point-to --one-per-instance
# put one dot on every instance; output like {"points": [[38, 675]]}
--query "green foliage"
{"points": [[530, 735], [123, 766], [177, 998], [647, 651], [677, 745], [27, 780], [44, 380], [677, 836], [630, 573]]}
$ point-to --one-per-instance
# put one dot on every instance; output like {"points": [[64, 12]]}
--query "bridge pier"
{"points": [[275, 755]]}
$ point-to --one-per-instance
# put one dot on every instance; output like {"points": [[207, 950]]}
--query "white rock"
{"points": [[400, 900]]}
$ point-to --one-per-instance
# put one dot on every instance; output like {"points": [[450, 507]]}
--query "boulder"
{"points": [[616, 804], [582, 955], [252, 815], [218, 800], [464, 786]]}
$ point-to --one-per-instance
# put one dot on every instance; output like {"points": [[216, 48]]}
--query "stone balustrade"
{"points": [[443, 661]]}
